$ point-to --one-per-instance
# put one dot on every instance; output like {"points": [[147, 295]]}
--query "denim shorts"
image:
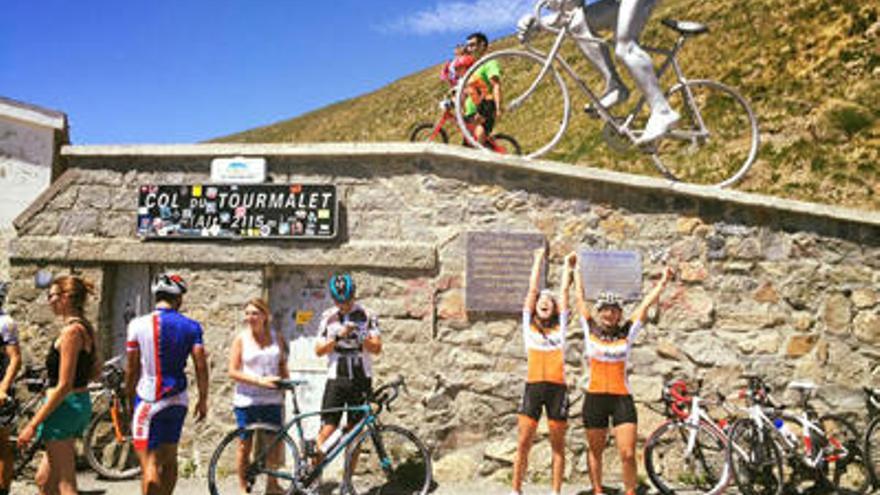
{"points": [[269, 413]]}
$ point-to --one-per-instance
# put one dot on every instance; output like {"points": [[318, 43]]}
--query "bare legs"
{"points": [[625, 438], [159, 469], [527, 428], [56, 474]]}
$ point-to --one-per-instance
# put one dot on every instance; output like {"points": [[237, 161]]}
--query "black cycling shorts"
{"points": [[342, 392], [485, 109], [598, 408], [550, 396]]}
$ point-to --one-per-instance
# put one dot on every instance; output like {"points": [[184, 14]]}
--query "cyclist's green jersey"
{"points": [[481, 81]]}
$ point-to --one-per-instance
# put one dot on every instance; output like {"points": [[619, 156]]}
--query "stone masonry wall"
{"points": [[783, 293]]}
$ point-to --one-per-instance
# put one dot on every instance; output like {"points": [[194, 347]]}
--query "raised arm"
{"points": [[579, 286], [651, 298], [534, 280], [565, 285]]}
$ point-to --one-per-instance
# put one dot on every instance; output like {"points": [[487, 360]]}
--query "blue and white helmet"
{"points": [[341, 287], [169, 283], [608, 298]]}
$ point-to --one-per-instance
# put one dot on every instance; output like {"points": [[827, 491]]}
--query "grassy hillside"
{"points": [[811, 69]]}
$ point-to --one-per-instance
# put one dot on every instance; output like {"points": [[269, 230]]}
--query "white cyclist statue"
{"points": [[627, 18]]}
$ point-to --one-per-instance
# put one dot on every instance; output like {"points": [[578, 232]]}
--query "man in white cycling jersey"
{"points": [[627, 18]]}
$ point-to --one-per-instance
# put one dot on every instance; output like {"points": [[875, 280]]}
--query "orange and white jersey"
{"points": [[607, 357], [545, 350]]}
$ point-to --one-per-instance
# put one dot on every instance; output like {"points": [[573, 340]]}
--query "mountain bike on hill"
{"points": [[714, 143], [379, 458], [436, 132]]}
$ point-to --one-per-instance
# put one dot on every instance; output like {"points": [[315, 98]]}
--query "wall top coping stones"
{"points": [[32, 114], [356, 254], [72, 154]]}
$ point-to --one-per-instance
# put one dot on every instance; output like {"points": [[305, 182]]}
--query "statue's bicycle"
{"points": [[715, 142]]}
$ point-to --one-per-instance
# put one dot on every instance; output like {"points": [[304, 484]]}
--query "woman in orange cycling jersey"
{"points": [[544, 324], [608, 395]]}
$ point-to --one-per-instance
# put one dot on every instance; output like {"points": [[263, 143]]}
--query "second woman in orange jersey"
{"points": [[609, 340]]}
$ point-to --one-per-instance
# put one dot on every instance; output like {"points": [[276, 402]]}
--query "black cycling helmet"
{"points": [[169, 283], [341, 287]]}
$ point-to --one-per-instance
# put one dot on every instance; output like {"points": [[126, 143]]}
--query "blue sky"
{"points": [[183, 71]]}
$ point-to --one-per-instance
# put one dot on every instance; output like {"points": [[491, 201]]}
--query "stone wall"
{"points": [[782, 288]]}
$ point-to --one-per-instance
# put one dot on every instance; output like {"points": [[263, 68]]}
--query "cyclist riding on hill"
{"points": [[483, 105], [456, 67]]}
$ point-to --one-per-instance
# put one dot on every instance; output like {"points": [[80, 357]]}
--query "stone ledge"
{"points": [[67, 179], [416, 256], [539, 167]]}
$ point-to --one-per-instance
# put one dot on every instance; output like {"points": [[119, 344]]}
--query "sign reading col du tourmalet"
{"points": [[252, 211]]}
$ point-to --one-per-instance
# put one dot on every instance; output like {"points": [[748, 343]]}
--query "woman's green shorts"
{"points": [[69, 420]]}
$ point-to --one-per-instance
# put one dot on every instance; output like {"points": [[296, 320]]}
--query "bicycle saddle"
{"points": [[687, 28], [802, 386]]}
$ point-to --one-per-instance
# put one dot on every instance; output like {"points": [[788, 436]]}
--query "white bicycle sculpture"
{"points": [[715, 142]]}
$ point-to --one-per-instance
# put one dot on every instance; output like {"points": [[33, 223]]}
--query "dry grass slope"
{"points": [[811, 69]]}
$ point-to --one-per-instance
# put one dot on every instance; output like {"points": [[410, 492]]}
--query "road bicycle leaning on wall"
{"points": [[107, 442], [687, 453], [872, 435], [379, 458], [773, 449], [714, 143]]}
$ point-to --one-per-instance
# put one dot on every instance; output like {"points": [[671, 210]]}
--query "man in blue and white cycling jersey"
{"points": [[158, 346]]}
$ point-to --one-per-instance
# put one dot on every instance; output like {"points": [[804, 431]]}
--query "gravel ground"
{"points": [[89, 485]]}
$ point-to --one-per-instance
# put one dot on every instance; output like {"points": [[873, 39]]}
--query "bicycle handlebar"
{"points": [[387, 393]]}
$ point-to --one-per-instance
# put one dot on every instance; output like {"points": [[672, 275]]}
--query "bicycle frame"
{"points": [[367, 423], [789, 446], [447, 114], [622, 126]]}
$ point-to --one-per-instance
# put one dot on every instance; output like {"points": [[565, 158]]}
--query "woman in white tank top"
{"points": [[257, 359]]}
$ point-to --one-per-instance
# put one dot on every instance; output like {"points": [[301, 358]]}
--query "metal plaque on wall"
{"points": [[253, 211], [498, 268], [615, 271]]}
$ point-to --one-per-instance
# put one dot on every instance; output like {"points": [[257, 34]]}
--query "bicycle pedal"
{"points": [[591, 111]]}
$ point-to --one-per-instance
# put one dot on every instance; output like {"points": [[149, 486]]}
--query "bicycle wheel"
{"points": [[109, 455], [872, 450], [507, 144], [754, 460], [272, 467], [683, 458], [716, 140], [532, 99], [392, 461], [845, 465], [423, 132]]}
